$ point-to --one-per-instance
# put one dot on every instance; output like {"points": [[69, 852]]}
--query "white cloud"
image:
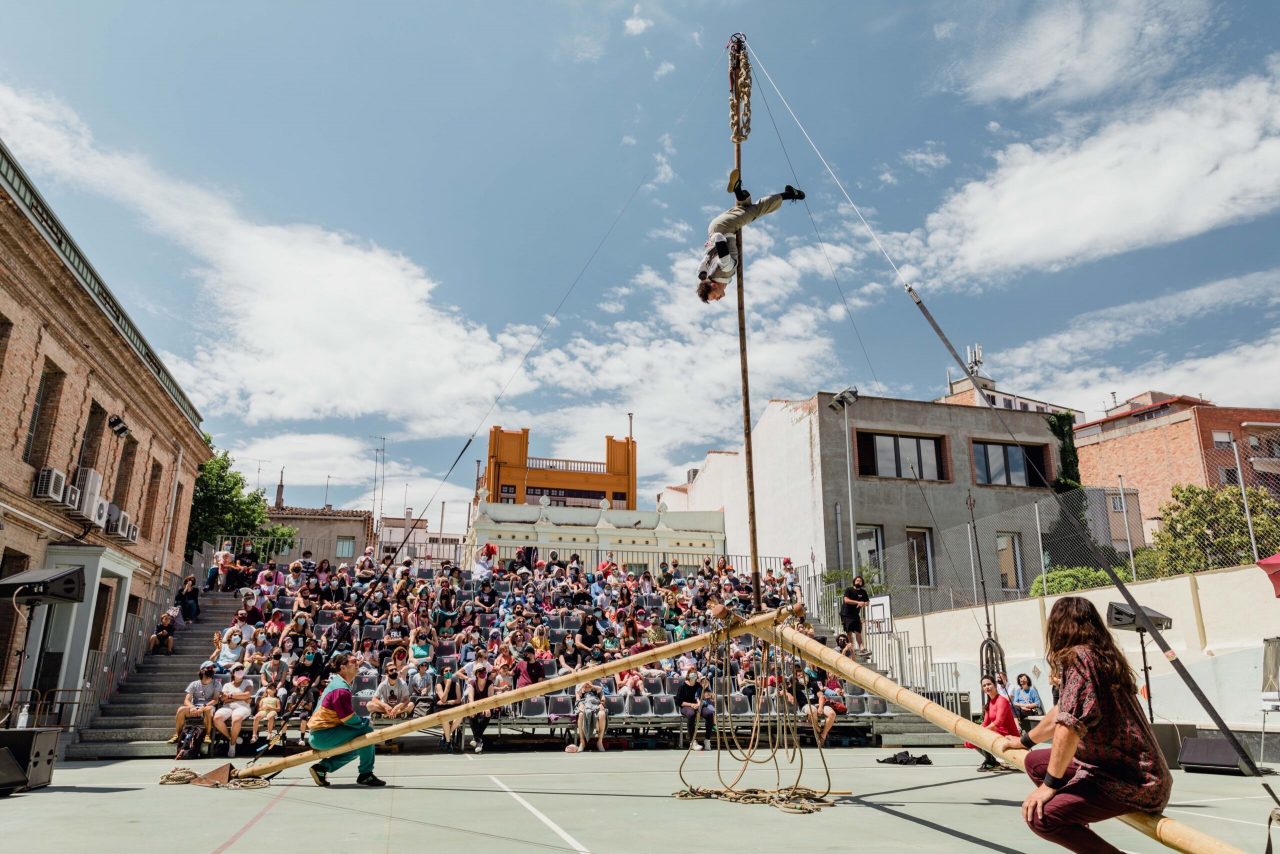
{"points": [[252, 274], [668, 143], [309, 458], [635, 25], [583, 47], [663, 69], [944, 30], [421, 489], [929, 158], [677, 230], [696, 35], [1075, 49], [887, 177], [663, 172], [1079, 364], [1170, 171], [993, 126], [628, 140]]}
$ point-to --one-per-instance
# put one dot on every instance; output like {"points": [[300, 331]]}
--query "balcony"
{"points": [[575, 466]]}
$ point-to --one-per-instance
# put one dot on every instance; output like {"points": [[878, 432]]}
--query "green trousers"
{"points": [[323, 739]]}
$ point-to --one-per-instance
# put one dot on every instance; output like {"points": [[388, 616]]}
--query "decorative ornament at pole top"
{"points": [[739, 89]]}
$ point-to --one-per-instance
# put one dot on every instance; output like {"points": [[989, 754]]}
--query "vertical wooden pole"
{"points": [[737, 50]]}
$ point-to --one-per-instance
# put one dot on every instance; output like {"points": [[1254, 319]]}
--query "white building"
{"points": [[636, 538], [423, 547]]}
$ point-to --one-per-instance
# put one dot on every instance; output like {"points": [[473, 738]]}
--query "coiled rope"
{"points": [[183, 776]]}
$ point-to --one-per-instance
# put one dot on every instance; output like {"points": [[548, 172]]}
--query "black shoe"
{"points": [[367, 779], [791, 193], [320, 776]]}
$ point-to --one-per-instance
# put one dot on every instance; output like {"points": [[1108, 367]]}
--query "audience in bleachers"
{"points": [[430, 639]]}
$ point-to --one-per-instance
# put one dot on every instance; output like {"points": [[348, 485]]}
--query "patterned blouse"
{"points": [[1117, 749]]}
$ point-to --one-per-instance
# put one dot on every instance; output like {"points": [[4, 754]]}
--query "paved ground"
{"points": [[619, 802]]}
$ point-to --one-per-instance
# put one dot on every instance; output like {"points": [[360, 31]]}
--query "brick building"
{"points": [[338, 535], [512, 476], [99, 446], [1157, 440]]}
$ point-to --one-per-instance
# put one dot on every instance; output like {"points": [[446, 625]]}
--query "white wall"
{"points": [[1220, 619]]}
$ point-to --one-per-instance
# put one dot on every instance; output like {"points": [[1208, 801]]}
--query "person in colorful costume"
{"points": [[335, 722]]}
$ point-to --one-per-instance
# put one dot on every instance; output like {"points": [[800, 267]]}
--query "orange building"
{"points": [[511, 476]]}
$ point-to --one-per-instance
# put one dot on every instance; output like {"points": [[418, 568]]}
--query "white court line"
{"points": [[1217, 817], [559, 831]]}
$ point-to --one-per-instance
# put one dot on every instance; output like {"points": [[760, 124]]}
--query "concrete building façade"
{"points": [[99, 447], [804, 469]]}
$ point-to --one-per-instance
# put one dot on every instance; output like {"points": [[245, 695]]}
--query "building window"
{"points": [[913, 457], [990, 399], [1228, 476], [1117, 503], [920, 557], [44, 412], [1009, 465], [152, 498], [1008, 403], [124, 474], [619, 496], [91, 441], [177, 513], [6, 328], [871, 548], [507, 501], [507, 489], [1040, 409], [346, 547], [1222, 440], [1024, 406], [1009, 559]]}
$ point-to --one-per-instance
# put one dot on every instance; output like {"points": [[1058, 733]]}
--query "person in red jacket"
{"points": [[997, 716]]}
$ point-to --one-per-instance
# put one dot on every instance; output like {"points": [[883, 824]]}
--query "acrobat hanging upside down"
{"points": [[721, 260]]}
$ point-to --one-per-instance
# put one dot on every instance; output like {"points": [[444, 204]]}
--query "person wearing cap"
{"points": [[235, 707], [528, 669], [335, 722], [198, 702], [486, 600]]}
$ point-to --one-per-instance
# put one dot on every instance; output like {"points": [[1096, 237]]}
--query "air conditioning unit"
{"points": [[50, 483], [100, 508], [132, 534], [71, 499], [89, 482], [117, 521]]}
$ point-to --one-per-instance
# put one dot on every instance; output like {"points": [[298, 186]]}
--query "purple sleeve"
{"points": [[1078, 701], [339, 702]]}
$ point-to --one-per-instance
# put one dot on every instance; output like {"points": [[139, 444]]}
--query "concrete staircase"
{"points": [[137, 721]]}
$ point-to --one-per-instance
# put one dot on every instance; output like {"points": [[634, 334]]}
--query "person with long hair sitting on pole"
{"points": [[997, 716], [1104, 761], [335, 722]]}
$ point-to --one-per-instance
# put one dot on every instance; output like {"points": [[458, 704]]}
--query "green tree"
{"points": [[1205, 528], [1068, 579], [1062, 425], [222, 504]]}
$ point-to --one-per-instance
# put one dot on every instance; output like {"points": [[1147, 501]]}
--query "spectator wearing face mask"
{"points": [[570, 657], [589, 638], [333, 593], [275, 674], [377, 609], [239, 624], [479, 687], [450, 693], [300, 629], [235, 707], [198, 703], [396, 636], [392, 697], [258, 648], [693, 704], [230, 651]]}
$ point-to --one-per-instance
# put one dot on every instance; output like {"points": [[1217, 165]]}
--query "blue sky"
{"points": [[341, 221]]}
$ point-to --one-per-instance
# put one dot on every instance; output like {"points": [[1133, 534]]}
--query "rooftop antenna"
{"points": [[326, 489], [1114, 401], [258, 482]]}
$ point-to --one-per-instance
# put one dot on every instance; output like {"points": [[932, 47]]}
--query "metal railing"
{"points": [[579, 466]]}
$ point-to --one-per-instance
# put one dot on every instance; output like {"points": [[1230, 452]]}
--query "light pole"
{"points": [[843, 401]]}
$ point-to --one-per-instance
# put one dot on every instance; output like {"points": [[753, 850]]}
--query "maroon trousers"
{"points": [[1078, 804]]}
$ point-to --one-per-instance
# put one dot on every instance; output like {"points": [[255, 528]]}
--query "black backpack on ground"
{"points": [[190, 741]]}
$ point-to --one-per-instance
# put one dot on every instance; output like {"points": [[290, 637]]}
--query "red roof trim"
{"points": [[1182, 398]]}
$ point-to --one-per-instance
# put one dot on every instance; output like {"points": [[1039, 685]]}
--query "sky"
{"points": [[339, 222]]}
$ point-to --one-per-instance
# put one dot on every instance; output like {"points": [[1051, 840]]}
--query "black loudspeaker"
{"points": [[11, 777], [1170, 738], [35, 750], [44, 586], [1209, 756]]}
